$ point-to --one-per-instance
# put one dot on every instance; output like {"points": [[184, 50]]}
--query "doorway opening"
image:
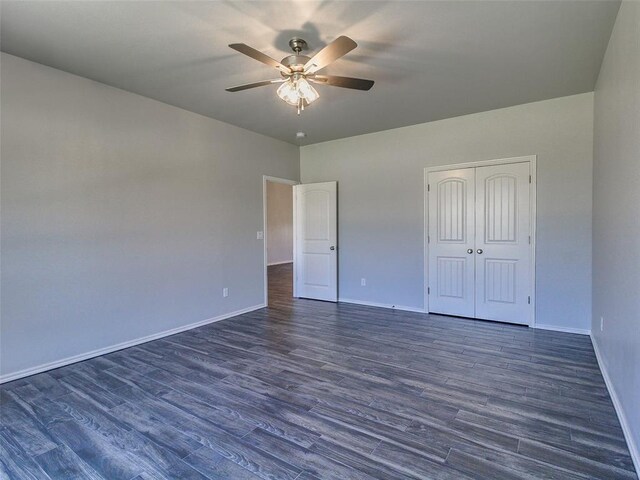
{"points": [[278, 239]]}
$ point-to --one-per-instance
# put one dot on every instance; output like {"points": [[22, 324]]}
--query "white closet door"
{"points": [[503, 252], [451, 242], [316, 234]]}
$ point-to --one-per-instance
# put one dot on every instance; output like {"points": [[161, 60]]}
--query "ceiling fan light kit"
{"points": [[299, 71], [297, 91]]}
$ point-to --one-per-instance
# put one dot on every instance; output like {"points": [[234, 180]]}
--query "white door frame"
{"points": [[265, 179], [531, 159]]}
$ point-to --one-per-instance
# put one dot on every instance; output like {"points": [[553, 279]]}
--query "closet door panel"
{"points": [[502, 250], [451, 236]]}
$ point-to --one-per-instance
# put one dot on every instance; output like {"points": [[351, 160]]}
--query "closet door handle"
{"points": [[470, 251], [479, 251]]}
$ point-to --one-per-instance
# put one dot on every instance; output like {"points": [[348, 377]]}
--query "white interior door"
{"points": [[503, 250], [315, 245], [452, 242]]}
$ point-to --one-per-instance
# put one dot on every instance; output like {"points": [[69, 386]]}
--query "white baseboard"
{"points": [[626, 429], [131, 343], [555, 328], [279, 263], [381, 305]]}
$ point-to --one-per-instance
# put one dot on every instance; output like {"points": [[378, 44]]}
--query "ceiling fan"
{"points": [[299, 71]]}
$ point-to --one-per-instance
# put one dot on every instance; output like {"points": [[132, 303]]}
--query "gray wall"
{"points": [[121, 216], [616, 221], [380, 191], [279, 223]]}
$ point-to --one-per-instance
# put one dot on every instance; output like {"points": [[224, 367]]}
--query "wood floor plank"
{"points": [[105, 454], [479, 468], [62, 462], [572, 462], [416, 463], [247, 413], [32, 436], [363, 462], [312, 462], [523, 467], [215, 466], [137, 417], [15, 462]]}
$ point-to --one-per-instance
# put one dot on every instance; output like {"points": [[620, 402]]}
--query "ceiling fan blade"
{"points": [[336, 49], [261, 57], [344, 82], [253, 85]]}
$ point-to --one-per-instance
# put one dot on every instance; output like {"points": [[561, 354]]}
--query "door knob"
{"points": [[469, 251], [332, 247], [479, 251]]}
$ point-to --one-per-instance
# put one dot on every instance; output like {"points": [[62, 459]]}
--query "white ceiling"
{"points": [[430, 60]]}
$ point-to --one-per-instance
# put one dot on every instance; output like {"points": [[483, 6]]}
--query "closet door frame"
{"points": [[531, 160]]}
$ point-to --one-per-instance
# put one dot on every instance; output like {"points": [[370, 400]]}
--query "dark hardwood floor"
{"points": [[305, 390]]}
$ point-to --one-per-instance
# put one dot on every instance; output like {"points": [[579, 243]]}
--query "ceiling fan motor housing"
{"points": [[295, 62]]}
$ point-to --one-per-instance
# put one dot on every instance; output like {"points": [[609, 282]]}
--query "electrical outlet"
{"points": [[260, 235], [225, 292], [601, 324], [363, 282]]}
